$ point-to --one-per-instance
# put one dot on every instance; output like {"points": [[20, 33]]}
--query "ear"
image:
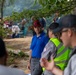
{"points": [[70, 32]]}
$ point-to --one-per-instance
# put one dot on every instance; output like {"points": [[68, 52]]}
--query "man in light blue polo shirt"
{"points": [[37, 45]]}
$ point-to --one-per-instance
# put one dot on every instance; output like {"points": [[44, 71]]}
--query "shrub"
{"points": [[2, 32]]}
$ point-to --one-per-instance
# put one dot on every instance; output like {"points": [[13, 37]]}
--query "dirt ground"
{"points": [[19, 44]]}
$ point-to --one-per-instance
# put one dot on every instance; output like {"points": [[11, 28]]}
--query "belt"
{"points": [[35, 58]]}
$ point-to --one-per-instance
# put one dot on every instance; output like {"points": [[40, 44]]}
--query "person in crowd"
{"points": [[37, 45], [0, 19], [56, 16], [43, 22], [11, 23], [23, 22], [4, 70], [15, 31], [33, 19], [31, 27], [55, 48], [6, 24], [67, 29]]}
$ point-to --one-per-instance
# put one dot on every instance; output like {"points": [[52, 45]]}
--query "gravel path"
{"points": [[19, 44]]}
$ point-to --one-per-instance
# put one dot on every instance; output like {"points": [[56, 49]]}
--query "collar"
{"points": [[73, 51], [42, 33]]}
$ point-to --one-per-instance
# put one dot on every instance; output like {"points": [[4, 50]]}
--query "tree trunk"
{"points": [[2, 6]]}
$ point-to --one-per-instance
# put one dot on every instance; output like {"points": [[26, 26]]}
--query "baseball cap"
{"points": [[68, 21], [37, 23], [53, 26]]}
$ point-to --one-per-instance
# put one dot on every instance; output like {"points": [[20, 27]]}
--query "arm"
{"points": [[50, 49], [31, 48], [30, 55], [57, 71], [29, 62], [50, 66]]}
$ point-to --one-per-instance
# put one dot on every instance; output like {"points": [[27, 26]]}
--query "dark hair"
{"points": [[53, 26], [3, 51]]}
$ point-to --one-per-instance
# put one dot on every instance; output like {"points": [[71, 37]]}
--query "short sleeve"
{"points": [[31, 45], [71, 67], [46, 39], [48, 50]]}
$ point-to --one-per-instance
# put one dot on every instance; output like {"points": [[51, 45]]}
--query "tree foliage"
{"points": [[48, 8], [63, 6]]}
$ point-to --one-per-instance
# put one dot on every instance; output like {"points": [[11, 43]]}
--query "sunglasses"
{"points": [[63, 31]]}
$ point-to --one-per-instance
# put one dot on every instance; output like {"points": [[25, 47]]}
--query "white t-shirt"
{"points": [[15, 28], [10, 71]]}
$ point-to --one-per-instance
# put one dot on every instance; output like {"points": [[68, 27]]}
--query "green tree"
{"points": [[63, 6]]}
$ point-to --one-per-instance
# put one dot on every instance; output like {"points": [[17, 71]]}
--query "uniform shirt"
{"points": [[10, 71], [38, 44], [71, 67], [50, 49]]}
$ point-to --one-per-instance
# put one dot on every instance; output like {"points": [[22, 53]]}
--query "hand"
{"points": [[29, 66], [47, 65]]}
